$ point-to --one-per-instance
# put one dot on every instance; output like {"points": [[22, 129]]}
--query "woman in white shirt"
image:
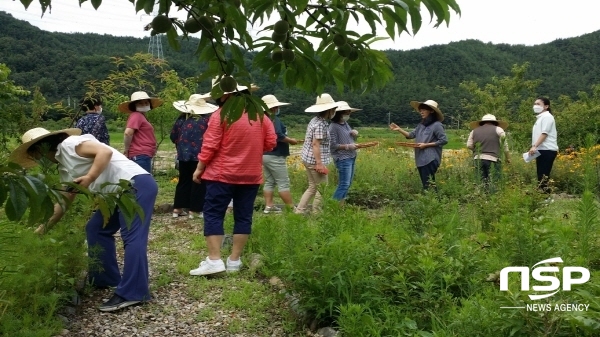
{"points": [[544, 140], [83, 160]]}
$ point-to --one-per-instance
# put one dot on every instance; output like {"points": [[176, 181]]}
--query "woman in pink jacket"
{"points": [[230, 164]]}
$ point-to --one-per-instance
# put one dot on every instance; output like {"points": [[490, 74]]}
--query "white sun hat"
{"points": [[138, 96], [195, 105], [488, 118], [324, 102], [20, 155], [344, 106], [272, 102]]}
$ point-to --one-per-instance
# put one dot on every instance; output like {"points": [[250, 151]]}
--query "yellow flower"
{"points": [[175, 180]]}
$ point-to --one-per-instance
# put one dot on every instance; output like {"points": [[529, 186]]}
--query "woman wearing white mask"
{"points": [[544, 141], [139, 139], [274, 162], [343, 149], [93, 122]]}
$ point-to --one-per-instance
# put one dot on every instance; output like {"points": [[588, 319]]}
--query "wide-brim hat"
{"points": [[488, 118], [344, 106], [195, 105], [430, 103], [323, 103], [271, 101], [20, 155], [215, 82], [138, 96]]}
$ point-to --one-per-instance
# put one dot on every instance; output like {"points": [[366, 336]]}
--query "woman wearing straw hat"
{"points": [[139, 139], [230, 164], [83, 160], [316, 153], [429, 136], [486, 140], [187, 135], [274, 162], [343, 149]]}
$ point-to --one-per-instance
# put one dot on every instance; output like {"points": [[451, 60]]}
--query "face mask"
{"points": [[277, 112], [345, 118], [144, 108], [537, 109], [99, 111]]}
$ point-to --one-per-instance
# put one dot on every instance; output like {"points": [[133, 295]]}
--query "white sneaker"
{"points": [[208, 268], [272, 209], [196, 216], [233, 267]]}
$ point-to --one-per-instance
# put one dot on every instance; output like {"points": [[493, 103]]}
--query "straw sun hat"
{"points": [[430, 103], [138, 96], [195, 105], [324, 102], [272, 102], [344, 106], [488, 118], [20, 156]]}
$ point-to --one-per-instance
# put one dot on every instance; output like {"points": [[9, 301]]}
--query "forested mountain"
{"points": [[60, 64]]}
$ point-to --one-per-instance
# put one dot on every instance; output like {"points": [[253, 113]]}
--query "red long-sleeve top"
{"points": [[234, 154]]}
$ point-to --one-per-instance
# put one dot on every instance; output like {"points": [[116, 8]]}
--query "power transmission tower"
{"points": [[155, 45]]}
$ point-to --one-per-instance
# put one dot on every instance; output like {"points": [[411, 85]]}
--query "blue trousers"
{"points": [[144, 161], [346, 168], [218, 196], [104, 271]]}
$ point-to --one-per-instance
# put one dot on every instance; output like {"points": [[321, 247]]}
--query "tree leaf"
{"points": [[96, 3], [139, 5], [26, 3], [17, 204], [172, 38], [149, 6]]}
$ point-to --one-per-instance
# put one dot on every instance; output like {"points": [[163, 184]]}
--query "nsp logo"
{"points": [[541, 274]]}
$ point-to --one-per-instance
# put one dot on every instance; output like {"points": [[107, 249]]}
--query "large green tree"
{"points": [[311, 45]]}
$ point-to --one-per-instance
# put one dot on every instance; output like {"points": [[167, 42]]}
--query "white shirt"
{"points": [[545, 124], [72, 166]]}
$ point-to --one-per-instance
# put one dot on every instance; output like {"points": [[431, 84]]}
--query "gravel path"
{"points": [[183, 305]]}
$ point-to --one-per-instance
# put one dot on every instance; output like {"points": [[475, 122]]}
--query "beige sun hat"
{"points": [[430, 103], [324, 102], [20, 156], [271, 101], [344, 106], [138, 96], [195, 105], [215, 82], [488, 118]]}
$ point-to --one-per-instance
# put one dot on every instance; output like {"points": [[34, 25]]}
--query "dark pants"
{"points": [[218, 196], [427, 173], [134, 284], [543, 164], [144, 161], [189, 194], [484, 168]]}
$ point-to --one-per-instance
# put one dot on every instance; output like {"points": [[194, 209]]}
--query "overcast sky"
{"points": [[528, 22]]}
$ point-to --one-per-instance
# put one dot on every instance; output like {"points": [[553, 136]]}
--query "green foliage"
{"points": [[38, 277], [225, 30]]}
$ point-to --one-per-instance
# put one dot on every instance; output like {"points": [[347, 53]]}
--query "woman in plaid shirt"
{"points": [[316, 152]]}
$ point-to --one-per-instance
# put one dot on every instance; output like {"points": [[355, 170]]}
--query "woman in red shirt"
{"points": [[139, 139], [230, 164]]}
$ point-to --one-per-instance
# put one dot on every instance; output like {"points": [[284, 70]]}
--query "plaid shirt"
{"points": [[317, 129]]}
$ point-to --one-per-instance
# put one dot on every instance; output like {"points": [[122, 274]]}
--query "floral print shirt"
{"points": [[95, 125], [187, 135]]}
